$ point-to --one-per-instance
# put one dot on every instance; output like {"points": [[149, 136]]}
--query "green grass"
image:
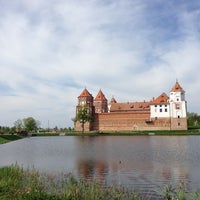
{"points": [[19, 184], [123, 133], [8, 138], [190, 131]]}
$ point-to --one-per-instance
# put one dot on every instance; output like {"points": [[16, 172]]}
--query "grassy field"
{"points": [[19, 184], [8, 138]]}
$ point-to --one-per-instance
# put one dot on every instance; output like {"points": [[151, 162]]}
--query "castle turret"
{"points": [[85, 99], [112, 101], [178, 108], [100, 103]]}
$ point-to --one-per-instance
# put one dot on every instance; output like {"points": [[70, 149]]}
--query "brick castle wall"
{"points": [[131, 122], [87, 126], [128, 121], [179, 123]]}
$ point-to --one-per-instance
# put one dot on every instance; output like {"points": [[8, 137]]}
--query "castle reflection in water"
{"points": [[134, 161]]}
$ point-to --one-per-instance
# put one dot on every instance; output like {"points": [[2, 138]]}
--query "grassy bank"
{"points": [[190, 131], [19, 184], [8, 138]]}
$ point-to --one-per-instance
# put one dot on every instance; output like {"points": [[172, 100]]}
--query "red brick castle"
{"points": [[161, 113]]}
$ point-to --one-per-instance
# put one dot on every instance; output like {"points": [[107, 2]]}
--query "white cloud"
{"points": [[51, 50]]}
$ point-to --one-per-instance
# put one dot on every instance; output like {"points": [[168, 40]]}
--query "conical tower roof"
{"points": [[100, 96], [85, 93], [177, 88]]}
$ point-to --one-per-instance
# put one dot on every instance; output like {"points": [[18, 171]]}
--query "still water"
{"points": [[139, 162]]}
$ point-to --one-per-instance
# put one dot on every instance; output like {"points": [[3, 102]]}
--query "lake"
{"points": [[146, 163]]}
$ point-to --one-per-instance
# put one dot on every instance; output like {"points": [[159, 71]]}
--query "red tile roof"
{"points": [[85, 93], [130, 107], [100, 96], [162, 99], [177, 88]]}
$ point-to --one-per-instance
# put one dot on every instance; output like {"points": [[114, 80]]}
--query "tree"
{"points": [[4, 129], [83, 116], [30, 124], [193, 119], [18, 125]]}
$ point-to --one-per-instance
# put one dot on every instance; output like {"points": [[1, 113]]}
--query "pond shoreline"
{"points": [[123, 133], [10, 137]]}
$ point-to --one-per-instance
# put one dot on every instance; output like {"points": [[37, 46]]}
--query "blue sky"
{"points": [[50, 50]]}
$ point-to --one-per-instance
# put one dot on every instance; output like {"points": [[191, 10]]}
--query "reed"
{"points": [[19, 184]]}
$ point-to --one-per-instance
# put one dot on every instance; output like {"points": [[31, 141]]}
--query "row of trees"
{"points": [[21, 126], [29, 124]]}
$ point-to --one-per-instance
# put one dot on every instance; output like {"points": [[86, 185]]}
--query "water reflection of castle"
{"points": [[161, 113], [132, 161]]}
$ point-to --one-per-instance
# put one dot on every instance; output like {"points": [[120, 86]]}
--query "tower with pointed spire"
{"points": [[100, 103], [85, 99], [178, 107]]}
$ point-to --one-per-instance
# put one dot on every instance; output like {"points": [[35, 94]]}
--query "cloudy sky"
{"points": [[50, 50]]}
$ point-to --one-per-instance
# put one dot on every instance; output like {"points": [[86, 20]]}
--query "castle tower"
{"points": [[100, 103], [85, 99], [112, 101], [178, 108]]}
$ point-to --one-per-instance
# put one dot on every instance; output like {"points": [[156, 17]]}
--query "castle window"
{"points": [[160, 110], [160, 105], [177, 106], [155, 105], [178, 116], [179, 124], [177, 99], [165, 105], [165, 109]]}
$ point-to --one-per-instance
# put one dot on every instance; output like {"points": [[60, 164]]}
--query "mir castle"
{"points": [[161, 113]]}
